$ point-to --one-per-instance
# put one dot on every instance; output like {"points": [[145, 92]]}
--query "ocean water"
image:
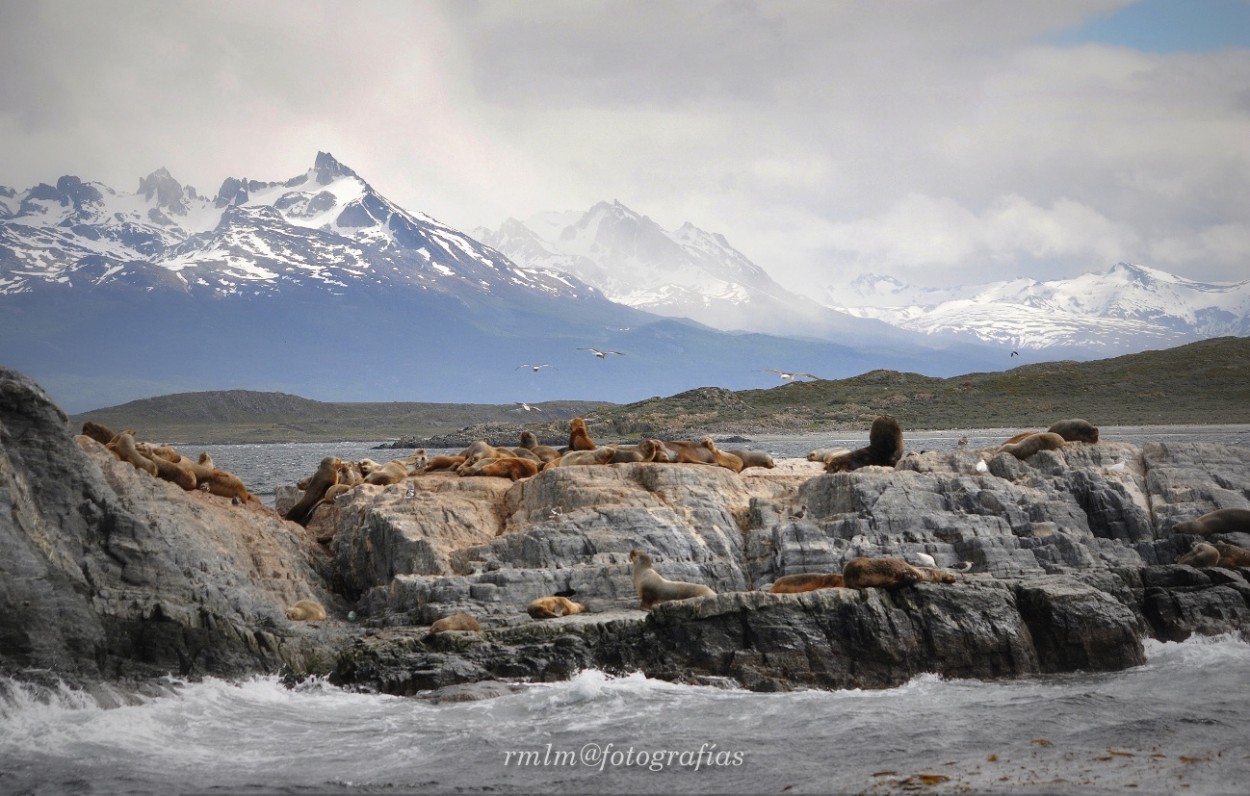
{"points": [[1178, 724]]}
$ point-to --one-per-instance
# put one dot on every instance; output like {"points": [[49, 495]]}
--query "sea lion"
{"points": [[455, 622], [326, 476], [1075, 430], [481, 449], [1201, 555], [1214, 522], [100, 433], [823, 455], [1012, 440], [167, 469], [525, 453], [545, 453], [807, 581], [645, 451], [392, 472], [653, 588], [688, 451], [350, 474], [579, 437], [867, 572], [553, 607], [884, 449], [442, 462], [123, 447], [723, 459], [1033, 443], [226, 484], [306, 611], [513, 467], [597, 456], [752, 458]]}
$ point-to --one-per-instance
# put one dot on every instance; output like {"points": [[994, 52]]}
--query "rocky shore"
{"points": [[113, 575]]}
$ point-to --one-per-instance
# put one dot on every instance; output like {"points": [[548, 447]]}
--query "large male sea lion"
{"points": [[1034, 443], [807, 581], [327, 475], [870, 571], [884, 449], [1075, 430], [1215, 522], [653, 588], [553, 607]]}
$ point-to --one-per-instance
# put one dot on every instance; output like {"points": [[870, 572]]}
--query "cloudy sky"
{"points": [[942, 142]]}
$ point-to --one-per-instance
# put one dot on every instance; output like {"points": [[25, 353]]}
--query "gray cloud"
{"points": [[929, 140]]}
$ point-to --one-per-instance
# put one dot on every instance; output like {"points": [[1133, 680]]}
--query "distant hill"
{"points": [[1207, 382]]}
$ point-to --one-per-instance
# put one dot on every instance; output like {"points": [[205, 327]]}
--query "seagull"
{"points": [[798, 515], [535, 368], [601, 354], [786, 376], [982, 467], [925, 559], [524, 407], [962, 566]]}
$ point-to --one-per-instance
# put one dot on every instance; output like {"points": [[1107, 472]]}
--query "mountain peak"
{"points": [[167, 191], [326, 169]]}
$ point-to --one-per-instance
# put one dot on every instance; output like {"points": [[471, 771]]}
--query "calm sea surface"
{"points": [[1178, 724]]}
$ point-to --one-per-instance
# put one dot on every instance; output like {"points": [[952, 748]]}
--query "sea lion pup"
{"points": [[1201, 555], [545, 453], [306, 611], [455, 622], [326, 476], [884, 449], [579, 437], [513, 467], [1033, 443], [653, 588], [752, 458], [1218, 521], [442, 462], [1075, 430], [554, 607], [573, 458], [123, 447], [868, 572], [807, 581], [823, 455], [645, 451]]}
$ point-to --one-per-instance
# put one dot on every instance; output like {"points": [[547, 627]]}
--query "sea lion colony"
{"points": [[335, 476]]}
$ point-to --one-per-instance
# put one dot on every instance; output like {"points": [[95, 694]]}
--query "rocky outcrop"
{"points": [[112, 573]]}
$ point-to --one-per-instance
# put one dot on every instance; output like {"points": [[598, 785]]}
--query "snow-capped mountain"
{"points": [[321, 287], [325, 227], [1127, 308], [682, 273]]}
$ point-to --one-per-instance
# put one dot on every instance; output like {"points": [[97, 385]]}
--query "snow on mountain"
{"points": [[686, 272], [1126, 308], [325, 228]]}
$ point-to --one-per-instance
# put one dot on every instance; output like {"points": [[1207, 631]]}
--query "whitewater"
{"points": [[1179, 723]]}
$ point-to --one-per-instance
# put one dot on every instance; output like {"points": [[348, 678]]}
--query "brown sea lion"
{"points": [[525, 453], [326, 476], [1201, 555], [100, 433], [442, 462], [226, 484], [579, 437], [481, 449], [553, 607], [306, 611], [752, 458], [1232, 556], [513, 467], [545, 453], [1033, 443], [807, 581], [1214, 522], [1020, 437], [455, 622], [723, 459], [653, 588], [872, 571], [689, 451], [1075, 430], [392, 472], [169, 466], [597, 456], [823, 455], [124, 447], [884, 449], [645, 451]]}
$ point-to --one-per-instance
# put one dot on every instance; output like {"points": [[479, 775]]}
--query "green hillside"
{"points": [[1201, 383]]}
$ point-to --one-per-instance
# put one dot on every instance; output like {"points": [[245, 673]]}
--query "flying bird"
{"points": [[600, 354], [1015, 353], [524, 407], [787, 376], [535, 368]]}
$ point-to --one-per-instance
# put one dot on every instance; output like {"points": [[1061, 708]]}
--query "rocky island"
{"points": [[113, 575]]}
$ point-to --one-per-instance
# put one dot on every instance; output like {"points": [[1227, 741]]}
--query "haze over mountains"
{"points": [[317, 285], [691, 273]]}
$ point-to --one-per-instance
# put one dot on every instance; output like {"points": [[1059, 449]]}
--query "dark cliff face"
{"points": [[110, 573]]}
